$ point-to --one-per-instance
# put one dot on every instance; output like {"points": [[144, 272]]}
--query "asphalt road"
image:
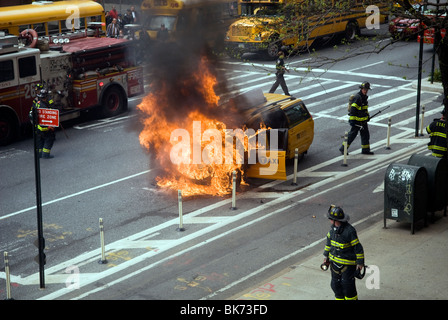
{"points": [[101, 171]]}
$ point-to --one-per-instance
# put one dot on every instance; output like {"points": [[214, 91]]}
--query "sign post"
{"points": [[49, 118], [40, 238]]}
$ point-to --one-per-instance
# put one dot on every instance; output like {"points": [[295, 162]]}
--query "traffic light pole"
{"points": [[40, 237]]}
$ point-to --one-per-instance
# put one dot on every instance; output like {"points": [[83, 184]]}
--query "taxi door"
{"points": [[271, 163]]}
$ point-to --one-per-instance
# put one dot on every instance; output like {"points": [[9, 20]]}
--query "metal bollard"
{"points": [[344, 162], [233, 191], [296, 160], [179, 200], [103, 253], [8, 279], [389, 122], [423, 117]]}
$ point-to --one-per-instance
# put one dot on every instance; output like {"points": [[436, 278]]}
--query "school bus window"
{"points": [[27, 67], [154, 23], [6, 70], [53, 27], [296, 114]]}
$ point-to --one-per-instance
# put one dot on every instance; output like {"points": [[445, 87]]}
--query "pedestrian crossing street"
{"points": [[326, 92]]}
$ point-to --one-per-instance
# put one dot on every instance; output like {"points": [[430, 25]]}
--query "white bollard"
{"points": [[8, 279], [389, 122], [233, 190], [422, 123], [179, 200], [344, 162], [296, 160], [103, 252]]}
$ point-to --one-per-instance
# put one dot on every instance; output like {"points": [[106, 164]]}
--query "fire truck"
{"points": [[81, 72]]}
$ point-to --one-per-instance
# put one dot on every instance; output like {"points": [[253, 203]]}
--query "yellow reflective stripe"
{"points": [[438, 134], [342, 261], [360, 107], [327, 248], [360, 256], [42, 128], [437, 155], [344, 245], [434, 147], [46, 150], [358, 118], [352, 298]]}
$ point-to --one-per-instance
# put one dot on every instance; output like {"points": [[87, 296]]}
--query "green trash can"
{"points": [[405, 194], [437, 169]]}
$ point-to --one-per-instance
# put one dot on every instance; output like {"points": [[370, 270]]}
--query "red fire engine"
{"points": [[82, 73]]}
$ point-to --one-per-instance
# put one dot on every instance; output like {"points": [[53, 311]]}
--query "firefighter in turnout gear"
{"points": [[358, 118], [344, 254], [437, 132], [280, 71], [45, 135]]}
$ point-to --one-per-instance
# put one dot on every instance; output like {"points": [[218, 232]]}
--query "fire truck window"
{"points": [[27, 67], [6, 70]]}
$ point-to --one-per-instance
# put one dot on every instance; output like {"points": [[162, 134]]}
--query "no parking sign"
{"points": [[48, 117]]}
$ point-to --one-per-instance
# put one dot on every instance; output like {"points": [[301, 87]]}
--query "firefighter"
{"points": [[437, 134], [45, 135], [358, 118], [344, 254], [280, 80]]}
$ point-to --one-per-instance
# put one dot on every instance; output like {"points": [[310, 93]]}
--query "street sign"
{"points": [[48, 117]]}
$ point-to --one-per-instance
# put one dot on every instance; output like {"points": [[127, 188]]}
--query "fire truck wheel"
{"points": [[113, 102], [8, 131]]}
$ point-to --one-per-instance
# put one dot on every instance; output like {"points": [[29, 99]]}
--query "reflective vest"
{"points": [[343, 246]]}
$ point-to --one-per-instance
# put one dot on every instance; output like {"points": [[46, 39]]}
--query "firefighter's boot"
{"points": [[46, 154]]}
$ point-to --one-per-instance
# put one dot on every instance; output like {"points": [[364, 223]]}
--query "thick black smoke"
{"points": [[174, 64]]}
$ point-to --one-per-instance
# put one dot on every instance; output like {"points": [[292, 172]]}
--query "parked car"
{"points": [[404, 27]]}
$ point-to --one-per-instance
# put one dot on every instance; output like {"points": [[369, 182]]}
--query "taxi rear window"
{"points": [[296, 114]]}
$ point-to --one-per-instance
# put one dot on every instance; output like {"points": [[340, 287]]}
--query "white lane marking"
{"points": [[76, 194]]}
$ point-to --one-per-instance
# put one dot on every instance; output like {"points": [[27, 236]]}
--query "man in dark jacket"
{"points": [[280, 71], [344, 254], [437, 131], [358, 118]]}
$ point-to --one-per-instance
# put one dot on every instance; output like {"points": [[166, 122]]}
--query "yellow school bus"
{"points": [[52, 17], [266, 26], [180, 15]]}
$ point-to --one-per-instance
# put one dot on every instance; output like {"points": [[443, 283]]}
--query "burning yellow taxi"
{"points": [[294, 129]]}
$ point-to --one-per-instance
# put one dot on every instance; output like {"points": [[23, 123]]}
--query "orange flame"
{"points": [[192, 179]]}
